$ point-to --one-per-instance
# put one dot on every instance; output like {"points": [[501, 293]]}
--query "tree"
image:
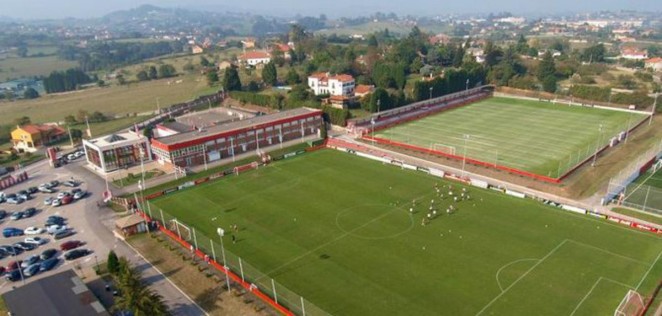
{"points": [[212, 78], [120, 80], [70, 119], [24, 120], [323, 131], [292, 77], [153, 74], [100, 83], [231, 81], [113, 263], [458, 57], [547, 67], [372, 41], [492, 54], [204, 62], [594, 54], [76, 133], [166, 71], [98, 117], [81, 115], [30, 93], [142, 76], [549, 84], [149, 131], [253, 86], [270, 74]]}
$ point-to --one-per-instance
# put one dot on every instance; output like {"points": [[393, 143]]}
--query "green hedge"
{"points": [[602, 94], [257, 99], [336, 116]]}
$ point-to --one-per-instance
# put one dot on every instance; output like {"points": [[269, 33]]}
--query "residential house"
{"points": [[224, 65], [633, 53], [337, 85], [285, 49], [254, 58], [196, 49], [439, 39], [654, 63], [32, 137], [363, 90]]}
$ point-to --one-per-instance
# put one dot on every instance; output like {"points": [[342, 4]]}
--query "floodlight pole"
{"points": [[232, 147], [204, 155], [220, 236], [466, 88], [464, 155], [597, 146], [431, 93]]}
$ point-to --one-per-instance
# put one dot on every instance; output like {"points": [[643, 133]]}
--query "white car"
{"points": [[62, 194], [14, 200], [36, 240], [48, 201], [32, 230], [79, 195], [56, 202], [54, 229]]}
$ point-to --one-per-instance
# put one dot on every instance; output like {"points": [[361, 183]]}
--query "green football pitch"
{"points": [[538, 137], [337, 230]]}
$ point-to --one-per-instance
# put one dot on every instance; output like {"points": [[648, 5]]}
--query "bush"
{"points": [[113, 263], [336, 116]]}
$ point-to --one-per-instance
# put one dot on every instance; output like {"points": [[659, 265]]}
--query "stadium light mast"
{"points": [[597, 146], [464, 155]]}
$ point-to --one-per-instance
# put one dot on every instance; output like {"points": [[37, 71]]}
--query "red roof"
{"points": [[282, 47], [342, 78], [37, 129], [654, 60], [363, 89], [319, 75], [254, 55]]}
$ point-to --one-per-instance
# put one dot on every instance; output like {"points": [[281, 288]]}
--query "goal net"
{"points": [[657, 166], [182, 230], [631, 305], [443, 148]]}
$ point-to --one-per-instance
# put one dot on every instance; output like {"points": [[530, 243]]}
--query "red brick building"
{"points": [[227, 140]]}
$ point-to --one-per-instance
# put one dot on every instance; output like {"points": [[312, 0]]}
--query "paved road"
{"points": [[101, 220], [92, 224]]}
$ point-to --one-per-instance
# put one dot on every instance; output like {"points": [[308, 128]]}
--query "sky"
{"points": [[40, 9]]}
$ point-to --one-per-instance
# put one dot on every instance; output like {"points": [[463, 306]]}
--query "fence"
{"points": [[213, 249], [625, 177], [642, 196]]}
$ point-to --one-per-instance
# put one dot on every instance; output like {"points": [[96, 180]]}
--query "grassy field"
{"points": [[640, 215], [15, 67], [645, 192], [337, 230], [537, 137], [115, 100]]}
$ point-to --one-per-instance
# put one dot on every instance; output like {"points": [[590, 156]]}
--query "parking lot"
{"points": [[75, 221]]}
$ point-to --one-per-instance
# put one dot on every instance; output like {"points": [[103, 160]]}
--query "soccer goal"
{"points": [[657, 166], [443, 148], [631, 305], [182, 230]]}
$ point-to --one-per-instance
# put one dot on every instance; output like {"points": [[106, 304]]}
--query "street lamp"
{"points": [[597, 146], [221, 233], [464, 155]]}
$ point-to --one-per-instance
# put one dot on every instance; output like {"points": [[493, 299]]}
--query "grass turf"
{"points": [[324, 225], [646, 192], [538, 137]]}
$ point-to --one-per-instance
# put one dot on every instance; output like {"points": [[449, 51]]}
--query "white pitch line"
{"points": [[593, 288], [522, 276], [608, 252], [649, 271]]}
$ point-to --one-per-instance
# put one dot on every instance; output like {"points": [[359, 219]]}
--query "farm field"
{"points": [[113, 100], [16, 67], [537, 137], [337, 230]]}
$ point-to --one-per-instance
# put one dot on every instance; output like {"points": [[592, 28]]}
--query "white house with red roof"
{"points": [[284, 48], [654, 63], [633, 53], [336, 85], [254, 58]]}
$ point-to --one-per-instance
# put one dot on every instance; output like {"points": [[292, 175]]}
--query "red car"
{"points": [[71, 244], [13, 265], [2, 270], [67, 199]]}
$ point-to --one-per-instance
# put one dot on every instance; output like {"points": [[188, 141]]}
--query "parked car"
{"points": [[71, 157], [13, 275], [47, 254], [32, 190], [62, 194], [57, 202], [23, 195], [11, 232], [25, 246], [48, 201], [14, 200], [11, 250], [32, 270], [53, 229], [3, 214], [13, 265], [54, 183], [35, 240], [54, 221], [33, 230], [79, 195], [30, 261], [3, 270], [79, 153], [45, 189], [48, 264], [75, 254], [63, 234], [29, 212], [71, 184], [56, 217], [71, 244], [16, 215], [67, 199]]}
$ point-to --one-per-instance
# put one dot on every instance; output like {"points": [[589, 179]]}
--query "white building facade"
{"points": [[338, 85]]}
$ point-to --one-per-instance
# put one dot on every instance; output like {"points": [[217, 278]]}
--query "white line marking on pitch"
{"points": [[649, 271], [509, 264], [593, 288], [608, 252], [523, 275]]}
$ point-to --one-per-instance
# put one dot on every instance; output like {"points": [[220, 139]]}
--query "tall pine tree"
{"points": [[231, 81]]}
